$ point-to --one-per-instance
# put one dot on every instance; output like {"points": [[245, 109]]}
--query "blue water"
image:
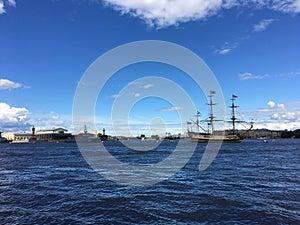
{"points": [[248, 183]]}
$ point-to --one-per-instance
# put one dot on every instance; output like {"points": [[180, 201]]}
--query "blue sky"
{"points": [[252, 47]]}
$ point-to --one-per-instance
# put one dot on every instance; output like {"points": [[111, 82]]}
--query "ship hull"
{"points": [[217, 138]]}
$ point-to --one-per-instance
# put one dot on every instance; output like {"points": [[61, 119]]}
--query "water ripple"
{"points": [[249, 183]]}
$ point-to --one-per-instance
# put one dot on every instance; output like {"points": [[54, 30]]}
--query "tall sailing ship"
{"points": [[210, 134]]}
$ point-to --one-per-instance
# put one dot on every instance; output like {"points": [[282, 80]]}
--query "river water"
{"points": [[248, 183]]}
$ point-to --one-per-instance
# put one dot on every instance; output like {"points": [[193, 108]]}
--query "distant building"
{"points": [[103, 136], [41, 135], [22, 137], [52, 134]]}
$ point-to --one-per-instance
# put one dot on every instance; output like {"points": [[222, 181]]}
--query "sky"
{"points": [[252, 47]]}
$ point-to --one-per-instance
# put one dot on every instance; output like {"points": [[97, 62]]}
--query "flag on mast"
{"points": [[212, 92], [234, 96]]}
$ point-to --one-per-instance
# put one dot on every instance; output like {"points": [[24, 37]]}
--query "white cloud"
{"points": [[224, 51], [55, 117], [271, 104], [116, 96], [163, 13], [138, 85], [227, 48], [136, 94], [286, 6], [291, 74], [277, 116], [49, 120], [291, 115], [147, 86], [172, 109], [9, 85], [13, 118], [262, 25], [280, 105], [11, 2], [248, 76], [2, 10], [5, 3], [134, 83], [20, 119]]}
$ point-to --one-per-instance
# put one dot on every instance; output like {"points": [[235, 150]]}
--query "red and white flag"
{"points": [[234, 96]]}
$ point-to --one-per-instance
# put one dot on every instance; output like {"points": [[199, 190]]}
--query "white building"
{"points": [[41, 135]]}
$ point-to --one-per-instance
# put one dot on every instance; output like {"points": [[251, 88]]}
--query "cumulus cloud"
{"points": [[163, 13], [20, 119], [9, 85], [13, 118], [2, 10], [288, 118], [248, 76], [262, 25], [5, 3], [271, 104], [277, 116]]}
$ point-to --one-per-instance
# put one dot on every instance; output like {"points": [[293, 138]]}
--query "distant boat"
{"points": [[211, 134], [87, 137]]}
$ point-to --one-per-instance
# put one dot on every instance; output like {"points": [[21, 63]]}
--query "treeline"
{"points": [[290, 134]]}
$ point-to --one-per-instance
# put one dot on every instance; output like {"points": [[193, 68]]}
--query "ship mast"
{"points": [[197, 121], [211, 116], [233, 118]]}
